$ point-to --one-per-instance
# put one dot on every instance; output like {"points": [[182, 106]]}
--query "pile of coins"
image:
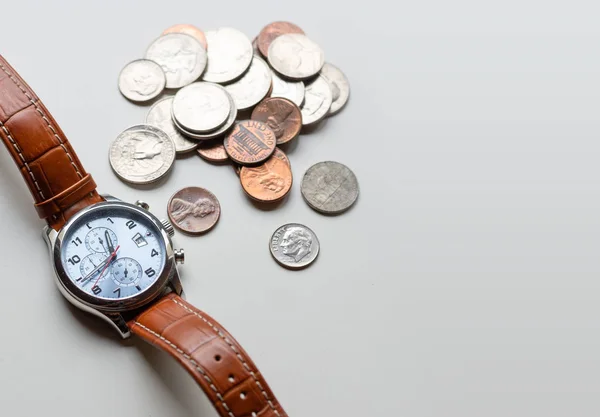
{"points": [[235, 101]]}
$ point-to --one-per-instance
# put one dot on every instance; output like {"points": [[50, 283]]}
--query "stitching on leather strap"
{"points": [[237, 353], [193, 362], [18, 150], [66, 198], [43, 116]]}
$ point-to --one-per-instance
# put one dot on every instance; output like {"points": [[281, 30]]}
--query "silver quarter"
{"points": [[329, 187], [229, 55], [142, 154], [294, 246], [216, 133], [295, 56], [159, 115], [201, 107], [317, 101], [142, 80], [254, 85], [292, 90], [340, 87], [181, 56]]}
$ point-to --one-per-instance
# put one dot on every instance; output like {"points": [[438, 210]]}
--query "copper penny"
{"points": [[273, 30], [188, 30], [194, 210], [269, 182], [212, 151], [250, 142], [282, 116], [277, 154]]}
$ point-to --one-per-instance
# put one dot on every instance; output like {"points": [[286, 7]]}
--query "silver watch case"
{"points": [[110, 310]]}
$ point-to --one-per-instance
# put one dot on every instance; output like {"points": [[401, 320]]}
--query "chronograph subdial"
{"points": [[126, 272], [92, 262], [101, 240]]}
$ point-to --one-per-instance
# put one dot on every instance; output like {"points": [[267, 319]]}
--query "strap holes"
{"points": [[218, 358], [231, 378], [243, 395]]}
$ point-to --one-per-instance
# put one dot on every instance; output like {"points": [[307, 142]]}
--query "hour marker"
{"points": [[118, 292], [138, 288]]}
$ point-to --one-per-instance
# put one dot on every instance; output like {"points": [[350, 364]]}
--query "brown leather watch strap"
{"points": [[59, 184], [216, 361]]}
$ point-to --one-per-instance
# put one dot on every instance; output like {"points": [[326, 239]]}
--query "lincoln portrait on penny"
{"points": [[296, 243]]}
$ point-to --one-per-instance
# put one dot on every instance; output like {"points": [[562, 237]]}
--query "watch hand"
{"points": [[107, 262], [109, 242], [96, 269]]}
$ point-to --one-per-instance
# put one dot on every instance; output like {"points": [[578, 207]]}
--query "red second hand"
{"points": [[112, 255]]}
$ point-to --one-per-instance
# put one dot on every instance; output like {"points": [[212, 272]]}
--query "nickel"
{"points": [[142, 80], [295, 56], [294, 246], [194, 210], [329, 187]]}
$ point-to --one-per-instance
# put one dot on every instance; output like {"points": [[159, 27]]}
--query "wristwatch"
{"points": [[116, 260]]}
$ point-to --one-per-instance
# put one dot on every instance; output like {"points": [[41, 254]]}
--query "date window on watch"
{"points": [[139, 240]]}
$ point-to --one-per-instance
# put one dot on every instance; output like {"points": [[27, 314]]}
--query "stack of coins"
{"points": [[230, 99]]}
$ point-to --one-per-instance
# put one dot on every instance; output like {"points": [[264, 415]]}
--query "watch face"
{"points": [[112, 254]]}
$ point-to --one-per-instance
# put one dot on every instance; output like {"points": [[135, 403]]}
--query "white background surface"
{"points": [[463, 283]]}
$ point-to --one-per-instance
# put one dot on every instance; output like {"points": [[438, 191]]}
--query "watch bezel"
{"points": [[120, 305]]}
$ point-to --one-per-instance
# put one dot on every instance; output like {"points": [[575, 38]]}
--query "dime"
{"points": [[201, 107], [340, 87], [250, 142], [229, 55], [188, 30], [317, 101], [292, 90], [273, 30], [215, 133], [142, 154], [254, 85], [294, 246], [282, 116], [181, 57], [269, 182], [194, 210], [295, 56], [142, 80], [159, 115], [329, 187], [213, 151]]}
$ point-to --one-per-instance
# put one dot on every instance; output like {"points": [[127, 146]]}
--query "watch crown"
{"points": [[168, 227], [179, 256], [142, 204]]}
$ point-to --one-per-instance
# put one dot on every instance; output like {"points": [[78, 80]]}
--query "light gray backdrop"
{"points": [[466, 280]]}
